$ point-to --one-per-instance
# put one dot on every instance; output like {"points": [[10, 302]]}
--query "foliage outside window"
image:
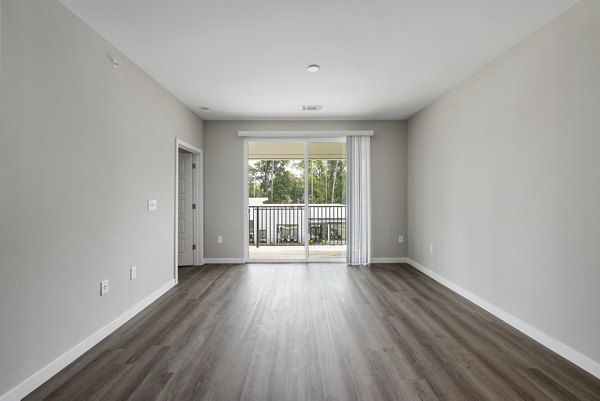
{"points": [[282, 181]]}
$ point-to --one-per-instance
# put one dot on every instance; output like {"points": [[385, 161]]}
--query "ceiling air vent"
{"points": [[312, 107]]}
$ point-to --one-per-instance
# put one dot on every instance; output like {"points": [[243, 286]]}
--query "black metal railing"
{"points": [[274, 225]]}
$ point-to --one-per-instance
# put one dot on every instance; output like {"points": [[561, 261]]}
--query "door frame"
{"points": [[302, 139], [197, 198]]}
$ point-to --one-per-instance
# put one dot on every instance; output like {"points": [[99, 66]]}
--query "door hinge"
{"points": [[194, 246], [193, 165], [193, 205]]}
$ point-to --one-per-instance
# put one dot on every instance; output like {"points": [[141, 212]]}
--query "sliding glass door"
{"points": [[296, 200]]}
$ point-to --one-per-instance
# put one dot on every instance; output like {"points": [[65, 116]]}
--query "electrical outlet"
{"points": [[430, 248], [219, 239], [132, 272], [104, 287], [401, 239]]}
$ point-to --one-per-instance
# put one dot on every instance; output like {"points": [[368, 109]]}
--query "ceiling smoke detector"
{"points": [[312, 107], [313, 68]]}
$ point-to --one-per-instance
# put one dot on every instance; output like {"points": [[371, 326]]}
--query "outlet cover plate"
{"points": [[103, 287]]}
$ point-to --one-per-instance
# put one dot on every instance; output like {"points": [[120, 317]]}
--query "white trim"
{"points": [[546, 340], [42, 375], [321, 260], [306, 222], [262, 261], [198, 196], [246, 209], [304, 134], [327, 260], [388, 260], [181, 144], [217, 261], [198, 177], [299, 139]]}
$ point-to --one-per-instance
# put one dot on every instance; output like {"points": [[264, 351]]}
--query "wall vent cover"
{"points": [[312, 107]]}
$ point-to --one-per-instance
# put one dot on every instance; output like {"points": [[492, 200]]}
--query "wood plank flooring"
{"points": [[316, 332]]}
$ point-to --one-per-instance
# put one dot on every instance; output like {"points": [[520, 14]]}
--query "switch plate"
{"points": [[401, 239], [220, 239], [430, 248], [152, 205], [132, 272], [104, 287]]}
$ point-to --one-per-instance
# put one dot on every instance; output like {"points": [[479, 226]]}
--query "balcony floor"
{"points": [[317, 252]]}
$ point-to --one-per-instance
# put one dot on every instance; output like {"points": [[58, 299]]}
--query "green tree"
{"points": [[282, 181], [275, 180], [327, 181]]}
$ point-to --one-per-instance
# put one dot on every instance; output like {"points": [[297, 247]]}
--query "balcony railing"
{"points": [[273, 225]]}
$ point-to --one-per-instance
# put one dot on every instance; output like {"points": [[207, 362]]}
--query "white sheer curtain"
{"points": [[358, 218]]}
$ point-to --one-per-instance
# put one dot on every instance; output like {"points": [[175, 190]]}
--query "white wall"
{"points": [[82, 147], [504, 179], [224, 189]]}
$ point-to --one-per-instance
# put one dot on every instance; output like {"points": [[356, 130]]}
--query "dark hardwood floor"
{"points": [[316, 332]]}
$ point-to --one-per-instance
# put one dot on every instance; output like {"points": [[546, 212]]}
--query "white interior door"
{"points": [[185, 209]]}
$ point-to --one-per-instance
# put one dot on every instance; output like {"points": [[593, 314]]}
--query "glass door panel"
{"points": [[326, 201], [276, 201]]}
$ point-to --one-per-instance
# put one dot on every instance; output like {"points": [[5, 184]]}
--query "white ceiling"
{"points": [[247, 59]]}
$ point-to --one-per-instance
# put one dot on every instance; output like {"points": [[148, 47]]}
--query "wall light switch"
{"points": [[104, 287], [132, 272], [220, 239], [401, 239], [152, 205], [430, 248]]}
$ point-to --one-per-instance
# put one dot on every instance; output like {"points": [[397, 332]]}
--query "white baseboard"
{"points": [[42, 375], [548, 341], [216, 261], [388, 260]]}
